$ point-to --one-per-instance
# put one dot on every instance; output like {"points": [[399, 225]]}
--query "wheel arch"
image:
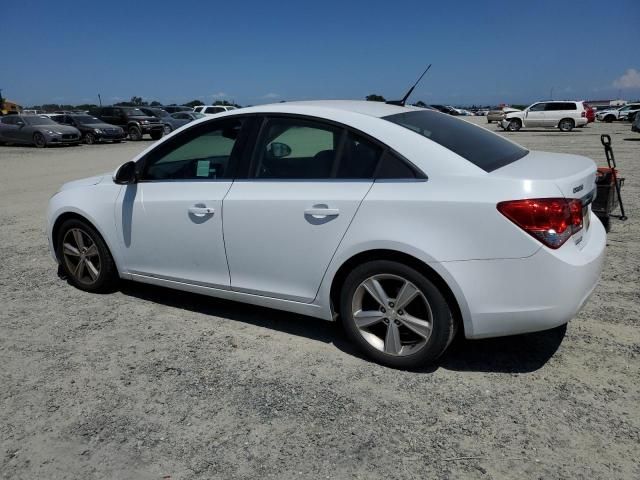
{"points": [[455, 300], [70, 215]]}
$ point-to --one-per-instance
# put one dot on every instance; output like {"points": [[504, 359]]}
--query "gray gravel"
{"points": [[150, 383]]}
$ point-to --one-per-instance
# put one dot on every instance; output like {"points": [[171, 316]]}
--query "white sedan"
{"points": [[405, 224]]}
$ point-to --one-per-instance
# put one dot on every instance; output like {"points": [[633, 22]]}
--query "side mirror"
{"points": [[20, 123], [126, 174], [278, 150]]}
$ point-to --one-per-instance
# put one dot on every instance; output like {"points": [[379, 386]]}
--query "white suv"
{"points": [[628, 112], [565, 115], [213, 109]]}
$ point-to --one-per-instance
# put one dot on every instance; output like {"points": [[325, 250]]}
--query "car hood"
{"points": [[57, 128], [85, 182]]}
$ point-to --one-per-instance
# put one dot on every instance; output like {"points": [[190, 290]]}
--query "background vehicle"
{"points": [[564, 115], [182, 118], [165, 117], [36, 130], [321, 177], [591, 113], [176, 108], [445, 109], [92, 129], [133, 120], [635, 127], [213, 109], [498, 114], [628, 112]]}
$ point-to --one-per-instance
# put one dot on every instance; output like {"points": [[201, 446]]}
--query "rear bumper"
{"points": [[543, 291]]}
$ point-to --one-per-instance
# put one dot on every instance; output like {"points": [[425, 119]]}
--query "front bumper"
{"points": [[543, 291], [111, 136], [153, 127], [63, 139]]}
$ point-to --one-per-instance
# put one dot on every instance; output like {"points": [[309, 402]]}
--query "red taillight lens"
{"points": [[551, 220]]}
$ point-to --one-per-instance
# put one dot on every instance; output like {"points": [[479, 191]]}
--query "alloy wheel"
{"points": [[81, 256], [39, 140], [392, 314]]}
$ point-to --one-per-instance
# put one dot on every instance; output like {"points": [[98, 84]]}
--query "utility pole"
{"points": [[551, 94], [100, 99]]}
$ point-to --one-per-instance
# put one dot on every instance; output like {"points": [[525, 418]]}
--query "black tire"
{"points": [[609, 118], [566, 124], [443, 323], [89, 138], [514, 125], [156, 134], [117, 141], [39, 141], [108, 274], [488, 121], [167, 129], [135, 133]]}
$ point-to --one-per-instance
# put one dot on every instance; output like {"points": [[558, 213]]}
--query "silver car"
{"points": [[36, 130]]}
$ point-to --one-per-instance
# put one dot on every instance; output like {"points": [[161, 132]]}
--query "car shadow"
{"points": [[632, 139], [514, 354]]}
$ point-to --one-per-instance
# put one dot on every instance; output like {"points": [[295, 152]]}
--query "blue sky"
{"points": [[483, 52]]}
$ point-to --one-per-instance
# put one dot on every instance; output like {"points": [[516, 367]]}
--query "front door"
{"points": [[285, 220], [535, 116], [170, 221]]}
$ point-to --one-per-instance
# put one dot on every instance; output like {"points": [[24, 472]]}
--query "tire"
{"points": [[134, 133], [157, 134], [89, 138], [383, 335], [609, 118], [39, 140], [514, 125], [87, 268], [488, 121], [566, 124], [167, 129]]}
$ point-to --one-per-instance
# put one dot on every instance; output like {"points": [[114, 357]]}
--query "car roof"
{"points": [[372, 109]]}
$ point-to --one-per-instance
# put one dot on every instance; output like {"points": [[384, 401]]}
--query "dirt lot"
{"points": [[149, 383]]}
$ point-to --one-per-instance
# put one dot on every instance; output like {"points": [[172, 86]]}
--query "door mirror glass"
{"points": [[278, 150], [126, 174]]}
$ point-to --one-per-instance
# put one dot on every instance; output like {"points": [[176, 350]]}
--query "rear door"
{"points": [[9, 128], [285, 219]]}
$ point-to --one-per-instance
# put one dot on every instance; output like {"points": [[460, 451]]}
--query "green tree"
{"points": [[155, 103], [420, 103], [374, 97], [194, 103]]}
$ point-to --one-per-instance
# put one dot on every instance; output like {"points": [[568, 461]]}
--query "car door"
{"points": [[285, 220], [170, 221], [535, 115], [9, 128]]}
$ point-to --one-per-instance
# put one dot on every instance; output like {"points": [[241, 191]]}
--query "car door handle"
{"points": [[196, 210], [322, 212]]}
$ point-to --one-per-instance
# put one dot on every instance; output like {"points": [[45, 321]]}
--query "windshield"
{"points": [[158, 112], [136, 112], [481, 147], [87, 119], [39, 121], [198, 115]]}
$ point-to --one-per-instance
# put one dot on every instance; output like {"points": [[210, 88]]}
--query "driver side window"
{"points": [[538, 107], [202, 153]]}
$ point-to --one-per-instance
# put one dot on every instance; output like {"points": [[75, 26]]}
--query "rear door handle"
{"points": [[322, 212], [201, 210]]}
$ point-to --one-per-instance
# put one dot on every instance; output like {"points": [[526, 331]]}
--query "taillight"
{"points": [[583, 114], [550, 220]]}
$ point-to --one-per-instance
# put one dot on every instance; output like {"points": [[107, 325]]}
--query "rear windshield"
{"points": [[481, 147]]}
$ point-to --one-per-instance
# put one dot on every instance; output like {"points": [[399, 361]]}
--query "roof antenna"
{"points": [[404, 99]]}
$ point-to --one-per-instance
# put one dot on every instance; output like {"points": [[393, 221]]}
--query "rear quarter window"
{"points": [[479, 146]]}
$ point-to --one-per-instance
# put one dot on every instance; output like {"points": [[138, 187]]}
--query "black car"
{"points": [[170, 123], [133, 120], [93, 129]]}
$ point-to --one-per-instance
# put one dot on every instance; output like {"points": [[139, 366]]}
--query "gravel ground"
{"points": [[150, 383]]}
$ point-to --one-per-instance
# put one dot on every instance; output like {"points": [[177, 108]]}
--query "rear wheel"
{"points": [[396, 315], [39, 140], [167, 129], [156, 134], [134, 133], [566, 125], [85, 258], [89, 138], [514, 125]]}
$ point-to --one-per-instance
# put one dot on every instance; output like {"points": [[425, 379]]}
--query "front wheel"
{"points": [[395, 314], [84, 257], [39, 140], [514, 125], [89, 138], [609, 118], [566, 125], [134, 133]]}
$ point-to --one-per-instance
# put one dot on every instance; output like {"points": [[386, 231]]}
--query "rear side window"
{"points": [[481, 147], [359, 157]]}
